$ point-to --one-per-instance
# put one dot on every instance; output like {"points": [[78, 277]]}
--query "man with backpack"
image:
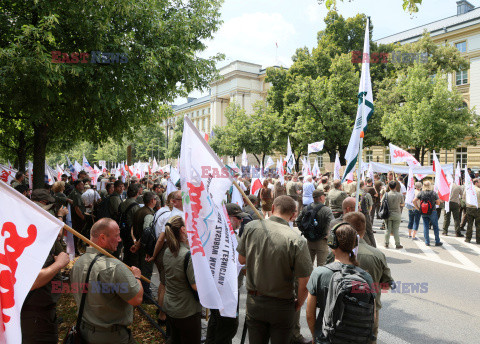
{"points": [[425, 203], [343, 292], [125, 221], [115, 199], [313, 223]]}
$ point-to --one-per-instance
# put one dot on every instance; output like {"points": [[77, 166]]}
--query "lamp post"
{"points": [[166, 140]]}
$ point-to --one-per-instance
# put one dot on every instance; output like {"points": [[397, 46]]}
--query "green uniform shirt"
{"points": [[60, 198], [179, 301], [114, 204], [124, 206], [373, 261], [111, 285], [394, 199], [275, 255], [76, 197], [335, 200]]}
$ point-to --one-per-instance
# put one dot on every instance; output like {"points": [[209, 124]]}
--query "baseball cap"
{"points": [[234, 209], [317, 193]]}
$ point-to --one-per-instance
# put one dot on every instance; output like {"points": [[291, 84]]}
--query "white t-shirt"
{"points": [[164, 214]]}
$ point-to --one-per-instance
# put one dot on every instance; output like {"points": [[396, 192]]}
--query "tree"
{"points": [[421, 112], [317, 97], [94, 101], [408, 5], [258, 133], [175, 144]]}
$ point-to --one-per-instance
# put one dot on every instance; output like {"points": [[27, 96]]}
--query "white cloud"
{"points": [[252, 36], [315, 13]]}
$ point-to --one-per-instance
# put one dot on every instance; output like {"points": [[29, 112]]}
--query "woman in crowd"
{"points": [[266, 198], [319, 281], [430, 199], [395, 204], [61, 199], [414, 215], [180, 301]]}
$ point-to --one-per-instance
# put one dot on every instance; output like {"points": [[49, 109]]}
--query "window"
{"points": [[462, 47], [387, 156], [461, 77], [208, 110], [320, 161], [203, 124], [368, 156], [431, 158], [461, 156]]}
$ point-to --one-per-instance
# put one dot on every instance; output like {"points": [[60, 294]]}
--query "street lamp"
{"points": [[166, 143]]}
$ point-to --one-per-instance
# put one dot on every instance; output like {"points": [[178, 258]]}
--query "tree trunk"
{"points": [[256, 157], [332, 154], [417, 153], [341, 152], [21, 152], [422, 156], [39, 151], [263, 160]]}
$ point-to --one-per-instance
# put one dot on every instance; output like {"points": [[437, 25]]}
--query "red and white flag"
{"points": [[7, 174], [27, 234], [441, 182], [398, 155], [205, 180]]}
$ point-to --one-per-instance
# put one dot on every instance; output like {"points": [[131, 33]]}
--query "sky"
{"points": [[252, 28]]}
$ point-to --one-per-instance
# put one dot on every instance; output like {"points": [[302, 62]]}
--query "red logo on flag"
{"points": [[4, 175], [13, 247]]}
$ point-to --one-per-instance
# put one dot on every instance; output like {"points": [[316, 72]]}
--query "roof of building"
{"points": [[442, 24], [195, 102]]}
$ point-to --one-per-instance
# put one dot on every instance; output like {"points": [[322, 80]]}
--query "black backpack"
{"points": [[309, 225], [349, 307], [384, 212], [122, 220], [102, 209], [149, 237]]}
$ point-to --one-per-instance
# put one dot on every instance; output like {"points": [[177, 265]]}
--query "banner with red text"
{"points": [[27, 234], [205, 180], [398, 156]]}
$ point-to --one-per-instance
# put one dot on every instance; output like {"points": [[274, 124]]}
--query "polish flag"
{"points": [[441, 183], [256, 186], [27, 234]]}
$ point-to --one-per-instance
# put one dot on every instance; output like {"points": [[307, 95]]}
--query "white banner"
{"points": [[244, 158], [205, 180], [385, 168], [290, 157], [315, 147], [410, 188], [470, 193], [7, 175], [336, 170], [26, 237]]}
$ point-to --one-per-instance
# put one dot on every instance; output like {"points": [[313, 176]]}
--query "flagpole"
{"points": [[360, 153]]}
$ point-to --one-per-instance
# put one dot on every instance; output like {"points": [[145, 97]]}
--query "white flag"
{"points": [[269, 162], [77, 166], [458, 174], [244, 158], [26, 237], [441, 183], [398, 156], [336, 169], [281, 172], [371, 175], [315, 169], [290, 157], [470, 193], [315, 147], [364, 111], [7, 175], [410, 188], [49, 175], [30, 175], [237, 197], [205, 180]]}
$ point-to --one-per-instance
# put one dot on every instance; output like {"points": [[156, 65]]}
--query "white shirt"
{"points": [[164, 214]]}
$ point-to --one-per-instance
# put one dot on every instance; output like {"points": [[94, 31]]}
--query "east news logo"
{"points": [[96, 57]]}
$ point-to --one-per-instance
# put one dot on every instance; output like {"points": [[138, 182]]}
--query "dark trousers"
{"points": [[39, 327], [221, 330], [145, 267], [455, 211], [473, 214], [186, 330], [369, 237], [270, 318], [374, 210]]}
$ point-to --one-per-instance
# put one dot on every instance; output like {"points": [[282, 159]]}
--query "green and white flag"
{"points": [[364, 110], [290, 158]]}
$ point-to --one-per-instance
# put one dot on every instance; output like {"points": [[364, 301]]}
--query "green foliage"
{"points": [[258, 133], [419, 111], [92, 101], [175, 143], [408, 5]]}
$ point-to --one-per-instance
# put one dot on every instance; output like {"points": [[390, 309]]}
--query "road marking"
{"points": [[458, 255], [473, 247], [427, 250], [436, 260], [385, 337]]}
